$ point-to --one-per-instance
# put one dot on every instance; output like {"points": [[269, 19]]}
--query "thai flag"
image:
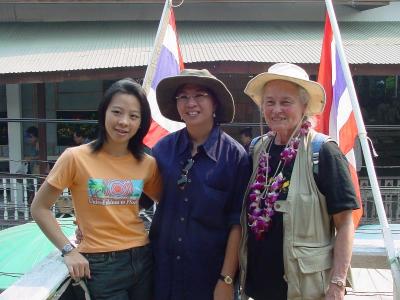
{"points": [[169, 63], [338, 120]]}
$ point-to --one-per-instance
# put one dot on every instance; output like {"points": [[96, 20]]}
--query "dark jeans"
{"points": [[121, 275]]}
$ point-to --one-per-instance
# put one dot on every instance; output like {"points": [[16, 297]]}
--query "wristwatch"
{"points": [[226, 278], [339, 282], [67, 249]]}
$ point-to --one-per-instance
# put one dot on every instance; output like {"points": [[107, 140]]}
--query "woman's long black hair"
{"points": [[130, 87]]}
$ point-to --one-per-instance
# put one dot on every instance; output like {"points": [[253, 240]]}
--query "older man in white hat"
{"points": [[297, 219]]}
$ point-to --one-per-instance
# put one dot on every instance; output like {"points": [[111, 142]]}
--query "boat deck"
{"points": [[371, 274]]}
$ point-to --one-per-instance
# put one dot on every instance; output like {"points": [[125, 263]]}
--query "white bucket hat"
{"points": [[292, 73]]}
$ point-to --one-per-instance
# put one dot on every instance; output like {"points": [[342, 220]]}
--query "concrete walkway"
{"points": [[371, 284]]}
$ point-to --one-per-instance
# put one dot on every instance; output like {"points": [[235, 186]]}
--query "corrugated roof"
{"points": [[365, 43], [46, 47]]}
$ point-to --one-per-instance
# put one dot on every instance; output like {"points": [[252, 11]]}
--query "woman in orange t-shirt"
{"points": [[106, 178]]}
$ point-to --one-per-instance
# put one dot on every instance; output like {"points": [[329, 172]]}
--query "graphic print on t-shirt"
{"points": [[114, 191]]}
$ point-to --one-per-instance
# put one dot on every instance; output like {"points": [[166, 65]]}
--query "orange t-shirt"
{"points": [[105, 193]]}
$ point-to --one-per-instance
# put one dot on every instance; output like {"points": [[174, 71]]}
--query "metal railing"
{"points": [[391, 203], [16, 195]]}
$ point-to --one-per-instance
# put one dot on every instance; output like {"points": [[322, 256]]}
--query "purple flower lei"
{"points": [[266, 190]]}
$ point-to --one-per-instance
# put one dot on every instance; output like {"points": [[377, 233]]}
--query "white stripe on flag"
{"points": [[333, 129], [344, 109], [170, 42], [165, 123], [351, 158]]}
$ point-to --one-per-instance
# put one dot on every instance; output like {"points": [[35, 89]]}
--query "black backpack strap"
{"points": [[316, 144]]}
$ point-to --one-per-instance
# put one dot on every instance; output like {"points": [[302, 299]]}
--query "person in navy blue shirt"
{"points": [[196, 229]]}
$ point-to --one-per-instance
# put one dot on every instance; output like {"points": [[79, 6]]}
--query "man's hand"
{"points": [[77, 265], [223, 291]]}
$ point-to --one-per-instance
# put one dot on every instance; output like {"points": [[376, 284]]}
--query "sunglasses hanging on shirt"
{"points": [[183, 180]]}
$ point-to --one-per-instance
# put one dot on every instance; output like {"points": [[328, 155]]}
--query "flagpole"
{"points": [[152, 64], [393, 256]]}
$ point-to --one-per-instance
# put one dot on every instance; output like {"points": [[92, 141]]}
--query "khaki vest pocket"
{"points": [[304, 218], [310, 226], [313, 273], [313, 260]]}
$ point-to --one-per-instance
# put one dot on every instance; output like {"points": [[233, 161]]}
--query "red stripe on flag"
{"points": [[325, 78], [358, 213], [156, 132], [348, 132]]}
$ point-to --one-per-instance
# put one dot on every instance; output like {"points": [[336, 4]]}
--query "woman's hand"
{"points": [[77, 264], [223, 291]]}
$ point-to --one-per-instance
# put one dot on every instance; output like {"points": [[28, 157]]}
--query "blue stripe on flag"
{"points": [[166, 66], [339, 86]]}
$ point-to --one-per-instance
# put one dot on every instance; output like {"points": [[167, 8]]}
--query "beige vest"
{"points": [[308, 235]]}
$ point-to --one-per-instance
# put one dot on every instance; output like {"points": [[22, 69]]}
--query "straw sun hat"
{"points": [[167, 88], [291, 73]]}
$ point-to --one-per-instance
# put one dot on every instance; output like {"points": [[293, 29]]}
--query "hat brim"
{"points": [[167, 88], [315, 105]]}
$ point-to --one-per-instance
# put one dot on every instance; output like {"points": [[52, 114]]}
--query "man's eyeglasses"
{"points": [[197, 97], [183, 180]]}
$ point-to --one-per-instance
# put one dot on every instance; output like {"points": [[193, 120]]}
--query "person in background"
{"points": [[106, 179], [297, 226], [196, 229], [246, 136], [32, 150], [79, 137]]}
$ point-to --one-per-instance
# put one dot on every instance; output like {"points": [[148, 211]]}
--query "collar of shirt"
{"points": [[209, 147]]}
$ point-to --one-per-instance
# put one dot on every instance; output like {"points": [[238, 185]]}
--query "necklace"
{"points": [[265, 189]]}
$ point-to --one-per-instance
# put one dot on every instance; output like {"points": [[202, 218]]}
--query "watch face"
{"points": [[228, 280], [67, 249], [338, 282]]}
